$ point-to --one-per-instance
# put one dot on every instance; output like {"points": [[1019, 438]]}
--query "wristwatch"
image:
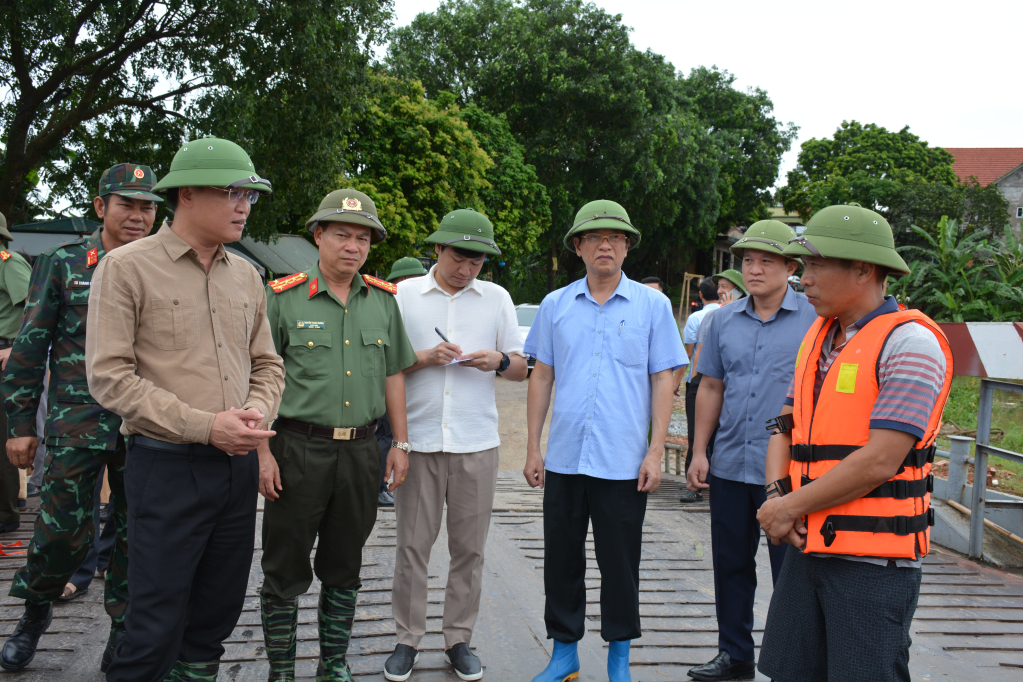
{"points": [[406, 447], [505, 362]]}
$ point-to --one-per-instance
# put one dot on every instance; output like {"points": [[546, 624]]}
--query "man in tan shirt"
{"points": [[179, 346]]}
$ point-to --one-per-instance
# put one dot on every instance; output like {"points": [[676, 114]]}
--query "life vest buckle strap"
{"points": [[897, 525], [902, 489], [803, 452]]}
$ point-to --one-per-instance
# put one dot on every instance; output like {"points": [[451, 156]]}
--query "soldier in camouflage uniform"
{"points": [[14, 276], [81, 437]]}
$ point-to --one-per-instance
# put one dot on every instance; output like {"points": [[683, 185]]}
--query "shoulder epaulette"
{"points": [[4, 255], [284, 283], [381, 284]]}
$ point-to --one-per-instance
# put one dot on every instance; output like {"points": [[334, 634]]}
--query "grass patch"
{"points": [[1007, 414]]}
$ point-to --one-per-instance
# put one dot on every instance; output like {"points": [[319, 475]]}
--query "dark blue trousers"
{"points": [[735, 537]]}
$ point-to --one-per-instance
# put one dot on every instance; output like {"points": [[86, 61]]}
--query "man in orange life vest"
{"points": [[850, 481]]}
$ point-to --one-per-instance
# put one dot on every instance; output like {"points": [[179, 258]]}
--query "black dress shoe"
{"points": [[691, 496], [20, 649], [724, 668], [116, 637], [466, 664]]}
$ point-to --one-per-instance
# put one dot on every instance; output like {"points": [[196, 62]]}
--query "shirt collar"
{"points": [[711, 306], [430, 282], [95, 241], [623, 289], [790, 302], [177, 247], [313, 274], [890, 305]]}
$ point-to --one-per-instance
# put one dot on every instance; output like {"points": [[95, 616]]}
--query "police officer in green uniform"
{"points": [[14, 278], [81, 437], [344, 347]]}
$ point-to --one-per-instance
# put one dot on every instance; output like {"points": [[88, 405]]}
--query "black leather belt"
{"points": [[137, 441], [6, 343], [347, 433]]}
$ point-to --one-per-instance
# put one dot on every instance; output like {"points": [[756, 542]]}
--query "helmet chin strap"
{"points": [[251, 180], [805, 243], [470, 238]]}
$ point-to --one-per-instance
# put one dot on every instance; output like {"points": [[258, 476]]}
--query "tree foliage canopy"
{"points": [[598, 118], [91, 82]]}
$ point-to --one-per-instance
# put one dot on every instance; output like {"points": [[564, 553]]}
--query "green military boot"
{"points": [[336, 614], [280, 623], [194, 672]]}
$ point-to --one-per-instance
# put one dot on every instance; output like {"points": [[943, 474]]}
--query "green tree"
{"points": [[278, 75], [755, 142], [959, 277], [862, 163], [596, 117]]}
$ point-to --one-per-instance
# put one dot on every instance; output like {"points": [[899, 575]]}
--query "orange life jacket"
{"points": [[895, 518]]}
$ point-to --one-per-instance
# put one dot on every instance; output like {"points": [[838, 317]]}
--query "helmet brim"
{"points": [[603, 224], [464, 241], [377, 232], [210, 177], [405, 272], [136, 194], [835, 247]]}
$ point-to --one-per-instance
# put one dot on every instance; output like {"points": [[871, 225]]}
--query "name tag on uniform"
{"points": [[80, 284], [311, 324]]}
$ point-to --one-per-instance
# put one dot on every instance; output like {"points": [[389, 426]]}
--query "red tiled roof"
{"points": [[987, 164]]}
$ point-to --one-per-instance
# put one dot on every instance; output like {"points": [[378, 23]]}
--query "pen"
{"points": [[441, 334], [620, 327]]}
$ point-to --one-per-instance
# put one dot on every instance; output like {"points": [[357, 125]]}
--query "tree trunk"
{"points": [[552, 263]]}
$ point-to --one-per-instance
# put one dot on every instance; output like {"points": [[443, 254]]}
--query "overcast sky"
{"points": [[950, 71]]}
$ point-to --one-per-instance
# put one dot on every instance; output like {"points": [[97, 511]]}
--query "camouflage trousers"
{"points": [[65, 528]]}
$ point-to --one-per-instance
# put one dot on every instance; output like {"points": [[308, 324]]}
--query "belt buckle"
{"points": [[344, 434]]}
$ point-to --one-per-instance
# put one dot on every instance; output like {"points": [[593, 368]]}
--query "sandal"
{"points": [[74, 592]]}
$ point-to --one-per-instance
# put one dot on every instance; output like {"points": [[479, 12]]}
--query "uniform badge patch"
{"points": [[314, 286], [139, 173], [285, 283], [80, 284], [381, 284], [311, 324], [351, 204], [92, 257], [4, 255]]}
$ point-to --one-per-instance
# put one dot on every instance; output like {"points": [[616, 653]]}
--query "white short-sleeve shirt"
{"points": [[452, 409]]}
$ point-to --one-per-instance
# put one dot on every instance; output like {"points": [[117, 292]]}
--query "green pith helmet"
{"points": [[765, 235], [466, 229], [733, 276], [349, 206], [406, 267], [4, 234], [601, 215], [850, 232], [129, 180], [212, 162]]}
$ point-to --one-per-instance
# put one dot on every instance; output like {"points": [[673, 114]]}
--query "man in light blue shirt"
{"points": [[746, 360], [612, 344]]}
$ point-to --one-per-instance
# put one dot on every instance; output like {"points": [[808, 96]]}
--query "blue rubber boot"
{"points": [[618, 661], [564, 664]]}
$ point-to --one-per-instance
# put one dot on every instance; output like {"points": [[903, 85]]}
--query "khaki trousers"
{"points": [[467, 482]]}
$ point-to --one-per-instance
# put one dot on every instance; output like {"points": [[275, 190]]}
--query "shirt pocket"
{"points": [[310, 350], [241, 320], [77, 301], [373, 343], [71, 392], [630, 346], [175, 323]]}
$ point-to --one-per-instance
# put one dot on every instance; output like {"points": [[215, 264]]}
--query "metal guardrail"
{"points": [[959, 457]]}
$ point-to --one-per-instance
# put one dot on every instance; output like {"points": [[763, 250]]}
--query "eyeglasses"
{"points": [[237, 194], [592, 239]]}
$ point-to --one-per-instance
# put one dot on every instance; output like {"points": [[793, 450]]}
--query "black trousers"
{"points": [[10, 479], [191, 530], [616, 510], [835, 620], [735, 538], [384, 437]]}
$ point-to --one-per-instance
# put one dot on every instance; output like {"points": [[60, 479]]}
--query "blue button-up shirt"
{"points": [[755, 360], [603, 356]]}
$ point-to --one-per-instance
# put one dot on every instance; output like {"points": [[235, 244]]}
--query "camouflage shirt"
{"points": [[54, 323]]}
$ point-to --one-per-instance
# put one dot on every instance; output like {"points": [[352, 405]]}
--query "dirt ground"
{"points": [[511, 410]]}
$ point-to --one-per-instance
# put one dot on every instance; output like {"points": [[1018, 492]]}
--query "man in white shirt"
{"points": [[464, 331]]}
